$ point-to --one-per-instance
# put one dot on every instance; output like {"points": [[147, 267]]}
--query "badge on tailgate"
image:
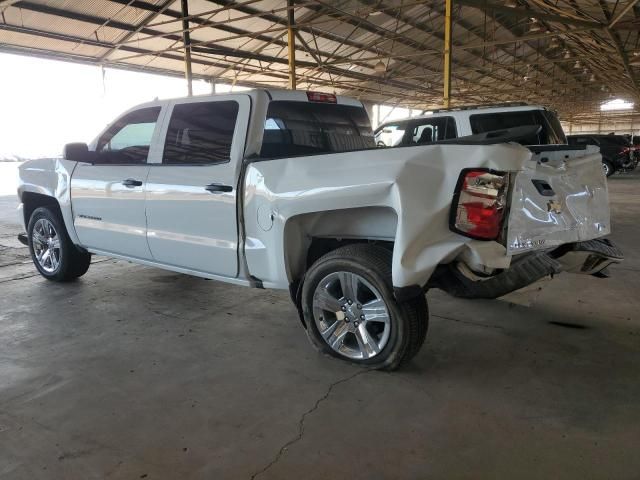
{"points": [[554, 206]]}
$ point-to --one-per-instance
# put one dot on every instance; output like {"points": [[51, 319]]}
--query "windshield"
{"points": [[301, 128], [551, 132]]}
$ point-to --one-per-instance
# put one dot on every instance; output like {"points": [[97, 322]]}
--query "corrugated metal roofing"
{"points": [[569, 54]]}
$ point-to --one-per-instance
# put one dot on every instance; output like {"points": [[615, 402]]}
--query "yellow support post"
{"points": [[186, 38], [291, 42], [447, 55]]}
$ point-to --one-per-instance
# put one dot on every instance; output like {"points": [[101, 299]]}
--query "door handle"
{"points": [[218, 188], [130, 182]]}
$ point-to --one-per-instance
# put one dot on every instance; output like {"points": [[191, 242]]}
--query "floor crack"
{"points": [[304, 416], [485, 325]]}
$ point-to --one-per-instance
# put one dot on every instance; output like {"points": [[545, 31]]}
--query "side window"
{"points": [[433, 130], [200, 133], [127, 141]]}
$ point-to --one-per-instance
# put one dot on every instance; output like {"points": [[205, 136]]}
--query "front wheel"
{"points": [[351, 312], [607, 167], [52, 251]]}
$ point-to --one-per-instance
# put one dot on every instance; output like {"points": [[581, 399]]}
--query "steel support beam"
{"points": [[624, 11], [446, 100], [186, 38], [291, 43], [528, 13]]}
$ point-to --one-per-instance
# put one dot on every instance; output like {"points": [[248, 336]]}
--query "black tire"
{"points": [[608, 168], [73, 262], [408, 320]]}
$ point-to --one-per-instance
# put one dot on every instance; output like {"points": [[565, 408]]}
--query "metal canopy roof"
{"points": [[569, 54]]}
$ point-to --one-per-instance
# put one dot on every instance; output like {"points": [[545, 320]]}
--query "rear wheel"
{"points": [[351, 312], [52, 251], [607, 167]]}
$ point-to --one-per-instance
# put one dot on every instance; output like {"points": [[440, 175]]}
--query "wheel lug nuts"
{"points": [[361, 317], [350, 302], [343, 308], [356, 323]]}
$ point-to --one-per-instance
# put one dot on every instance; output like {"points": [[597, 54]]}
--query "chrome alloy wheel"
{"points": [[46, 245], [605, 168], [351, 315]]}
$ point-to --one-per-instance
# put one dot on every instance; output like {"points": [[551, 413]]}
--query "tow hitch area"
{"points": [[22, 238], [590, 258]]}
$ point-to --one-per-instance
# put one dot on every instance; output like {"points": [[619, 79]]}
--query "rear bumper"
{"points": [[590, 257]]}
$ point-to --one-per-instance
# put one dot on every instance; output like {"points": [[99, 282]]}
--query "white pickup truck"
{"points": [[281, 189]]}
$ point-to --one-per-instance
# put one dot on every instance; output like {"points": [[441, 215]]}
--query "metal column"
{"points": [[186, 38], [447, 55], [291, 41]]}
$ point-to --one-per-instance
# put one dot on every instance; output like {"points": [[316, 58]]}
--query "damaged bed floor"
{"points": [[133, 372]]}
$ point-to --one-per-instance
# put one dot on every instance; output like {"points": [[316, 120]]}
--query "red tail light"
{"points": [[479, 204], [322, 97]]}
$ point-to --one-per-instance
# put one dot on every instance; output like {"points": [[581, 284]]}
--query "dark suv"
{"points": [[616, 150]]}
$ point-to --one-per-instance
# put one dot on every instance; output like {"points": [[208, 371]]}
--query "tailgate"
{"points": [[559, 197]]}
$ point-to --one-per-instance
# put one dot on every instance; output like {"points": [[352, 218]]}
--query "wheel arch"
{"points": [[309, 236], [32, 200]]}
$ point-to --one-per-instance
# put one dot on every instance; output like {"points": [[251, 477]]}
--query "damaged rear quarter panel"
{"points": [[417, 183]]}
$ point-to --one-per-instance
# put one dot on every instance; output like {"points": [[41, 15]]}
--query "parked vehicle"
{"points": [[449, 123], [616, 150], [282, 189]]}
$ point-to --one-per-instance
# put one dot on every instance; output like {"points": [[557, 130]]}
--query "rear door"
{"points": [[108, 195], [191, 191]]}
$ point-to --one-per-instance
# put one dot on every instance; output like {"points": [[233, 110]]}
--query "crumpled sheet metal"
{"points": [[418, 183], [578, 210]]}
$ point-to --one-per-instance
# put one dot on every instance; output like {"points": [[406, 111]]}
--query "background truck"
{"points": [[618, 153], [281, 189], [449, 123]]}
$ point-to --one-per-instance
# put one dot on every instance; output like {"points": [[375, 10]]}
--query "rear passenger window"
{"points": [[200, 133], [488, 122]]}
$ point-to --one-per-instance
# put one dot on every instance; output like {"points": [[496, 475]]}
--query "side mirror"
{"points": [[78, 152]]}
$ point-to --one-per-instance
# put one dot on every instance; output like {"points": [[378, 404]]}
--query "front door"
{"points": [[191, 194], [108, 195]]}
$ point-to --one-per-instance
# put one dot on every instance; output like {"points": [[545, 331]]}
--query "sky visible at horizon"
{"points": [[45, 104]]}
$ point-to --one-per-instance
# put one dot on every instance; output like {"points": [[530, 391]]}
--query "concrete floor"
{"points": [[135, 373]]}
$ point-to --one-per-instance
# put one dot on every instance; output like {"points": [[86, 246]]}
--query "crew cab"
{"points": [[287, 190]]}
